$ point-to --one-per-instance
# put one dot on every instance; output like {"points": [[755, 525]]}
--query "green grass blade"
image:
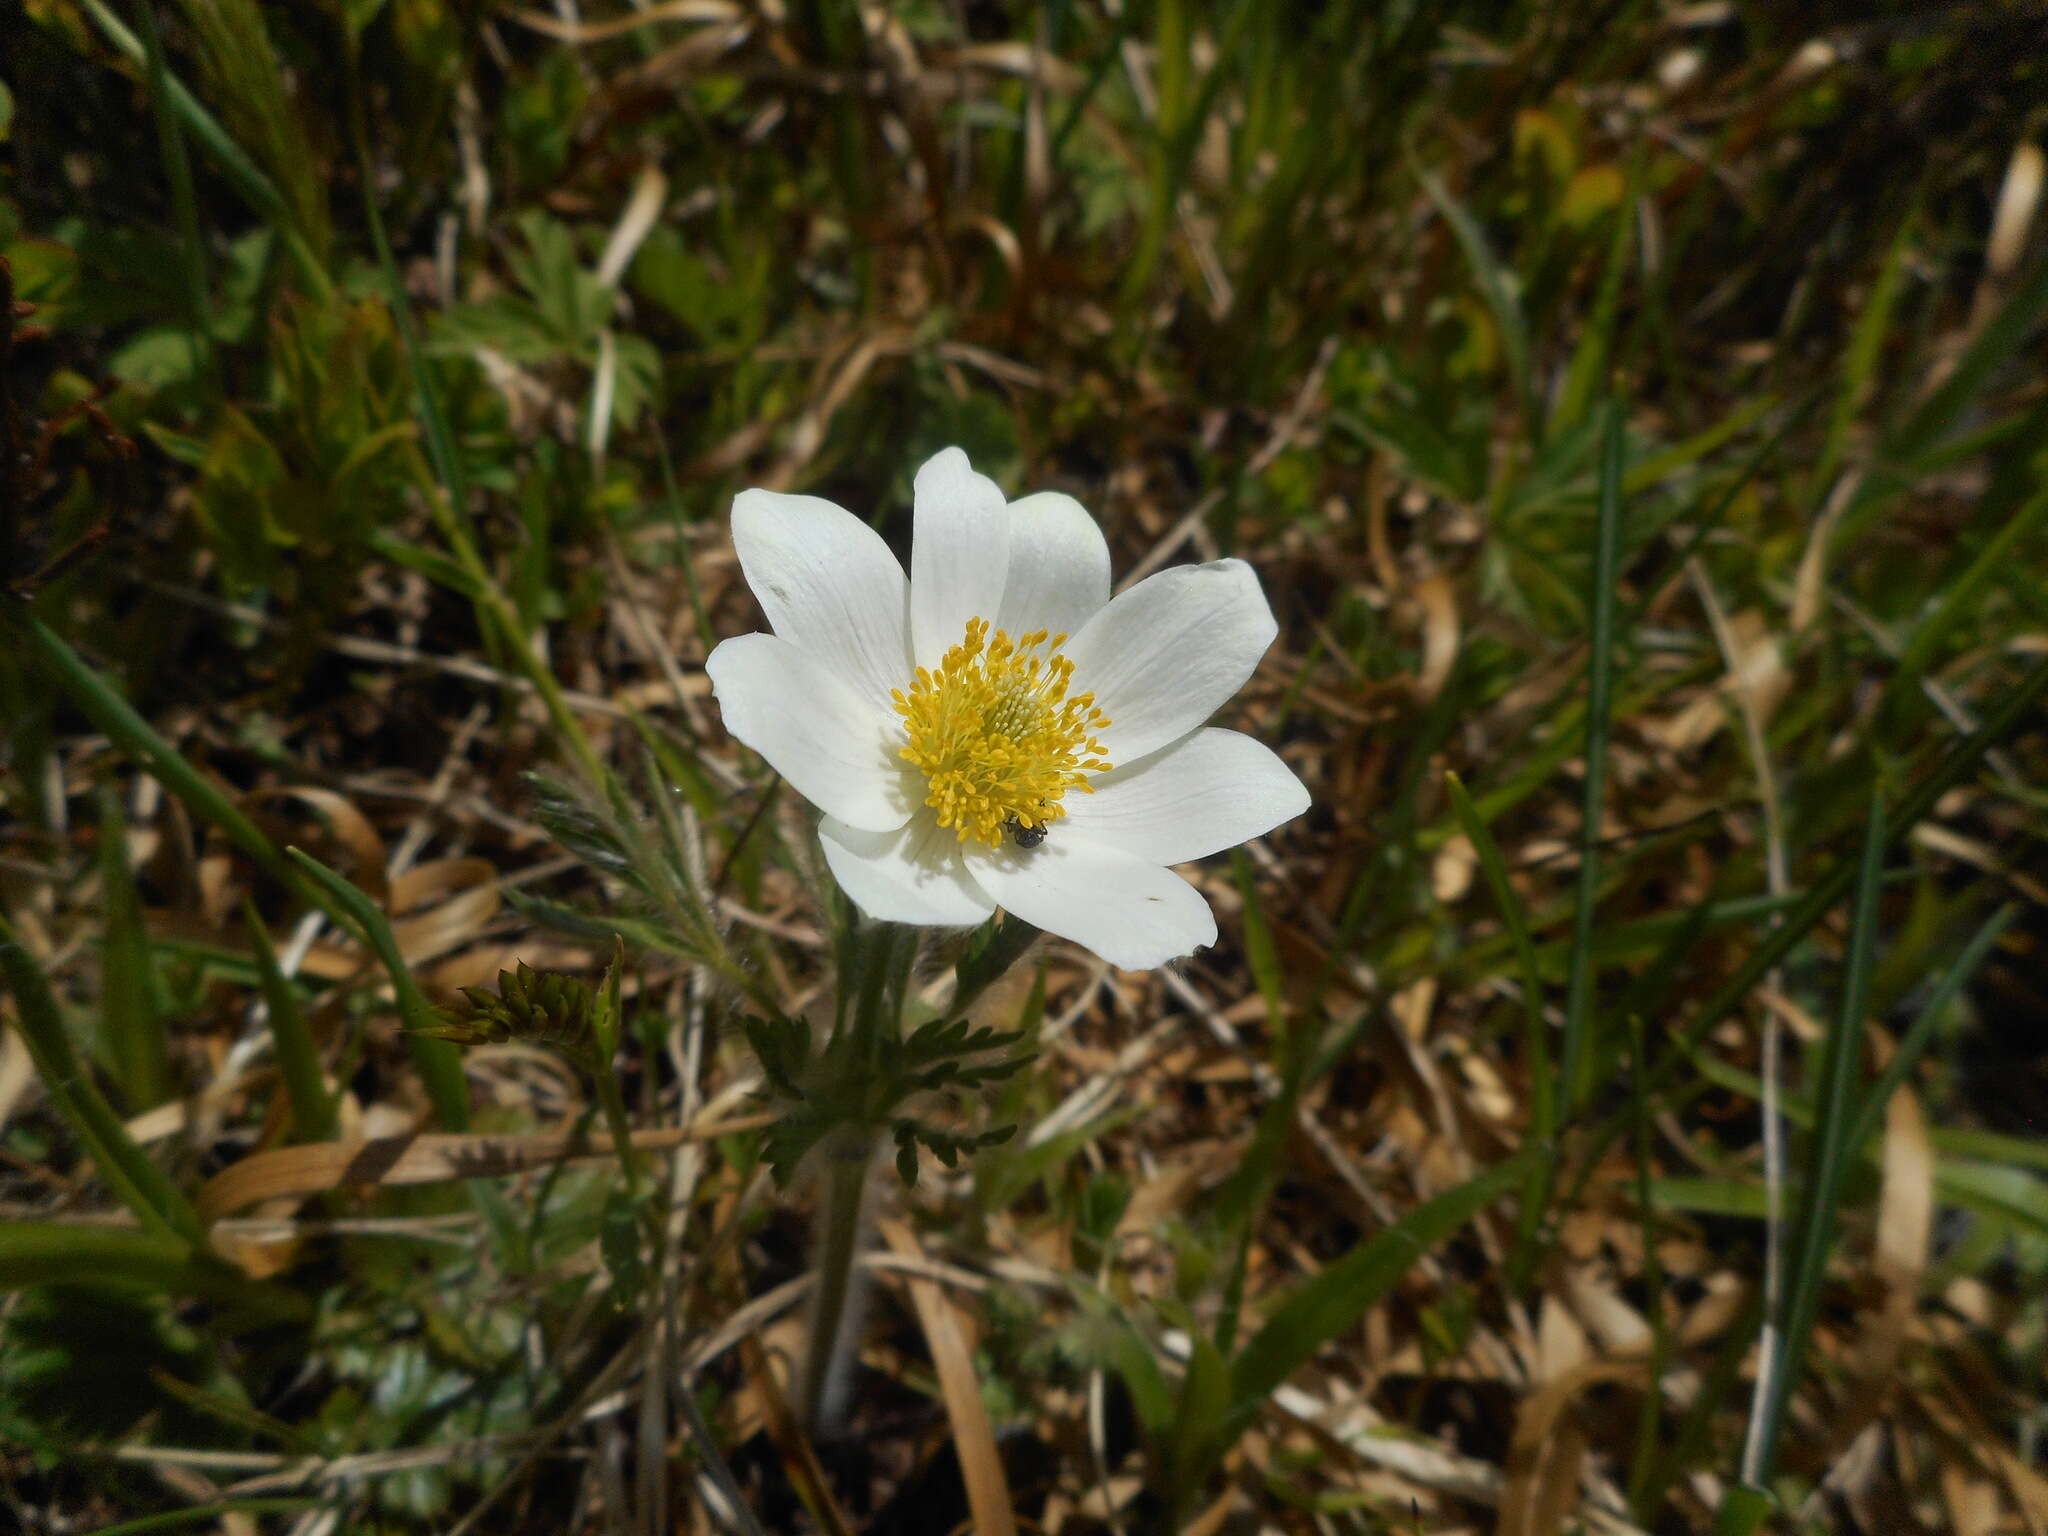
{"points": [[91, 1253], [257, 189], [1653, 984], [298, 1057], [170, 134], [1999, 340], [441, 446], [1340, 1295], [132, 1019], [1131, 1357], [1703, 525], [1913, 1044], [1399, 833], [1691, 1445], [1743, 1511], [1828, 1161], [1963, 598], [1170, 44], [1262, 956], [1647, 472], [1859, 367], [1831, 887], [206, 1514], [439, 1063], [1497, 288], [1201, 1424], [1993, 1147], [1820, 899], [139, 739], [449, 496], [138, 1182], [1596, 345], [1575, 1070]]}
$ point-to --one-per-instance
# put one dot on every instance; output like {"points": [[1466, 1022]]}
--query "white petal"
{"points": [[1206, 793], [1059, 566], [1132, 913], [835, 748], [1163, 657], [828, 585], [959, 553], [911, 875]]}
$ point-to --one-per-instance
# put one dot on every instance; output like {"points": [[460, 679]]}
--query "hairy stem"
{"points": [[874, 973], [834, 1331]]}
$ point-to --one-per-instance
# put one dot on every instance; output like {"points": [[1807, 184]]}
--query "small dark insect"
{"points": [[1025, 836]]}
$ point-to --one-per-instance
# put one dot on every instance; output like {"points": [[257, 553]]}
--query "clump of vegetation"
{"points": [[1615, 1105]]}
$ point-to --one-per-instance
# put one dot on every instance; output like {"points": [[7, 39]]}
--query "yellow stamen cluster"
{"points": [[997, 737]]}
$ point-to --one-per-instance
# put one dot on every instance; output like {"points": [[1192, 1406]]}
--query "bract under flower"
{"points": [[997, 730]]}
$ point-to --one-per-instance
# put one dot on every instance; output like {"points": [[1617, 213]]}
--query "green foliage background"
{"points": [[383, 364]]}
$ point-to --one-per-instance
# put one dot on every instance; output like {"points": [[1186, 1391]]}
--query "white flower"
{"points": [[996, 731]]}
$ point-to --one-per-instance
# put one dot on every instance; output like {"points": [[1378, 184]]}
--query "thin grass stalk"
{"points": [[1596, 346], [672, 501], [178, 172], [441, 447], [94, 1253], [2016, 705], [257, 189], [736, 1513], [1703, 526], [1171, 55], [650, 1437], [115, 716], [132, 1029], [1964, 596], [1819, 900], [298, 1056], [439, 1063], [1859, 365], [218, 1511], [449, 500], [1778, 880], [1918, 1035], [1575, 1070], [143, 1187], [1496, 288], [1834, 1119]]}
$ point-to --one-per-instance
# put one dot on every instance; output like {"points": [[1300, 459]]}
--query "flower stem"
{"points": [[874, 975], [836, 1295]]}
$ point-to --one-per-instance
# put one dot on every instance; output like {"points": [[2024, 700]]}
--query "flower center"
{"points": [[997, 737]]}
